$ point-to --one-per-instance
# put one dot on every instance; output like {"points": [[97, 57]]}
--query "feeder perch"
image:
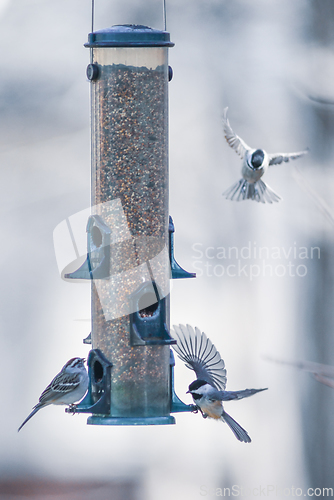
{"points": [[97, 264], [177, 271], [97, 400], [148, 321]]}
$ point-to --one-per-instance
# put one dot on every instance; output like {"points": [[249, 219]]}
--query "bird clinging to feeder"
{"points": [[68, 386], [208, 390]]}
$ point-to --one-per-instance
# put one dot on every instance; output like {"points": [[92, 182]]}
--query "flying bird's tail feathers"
{"points": [[232, 395], [257, 191], [35, 410], [237, 430]]}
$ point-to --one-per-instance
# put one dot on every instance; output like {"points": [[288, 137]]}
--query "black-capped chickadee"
{"points": [[208, 390], [255, 164]]}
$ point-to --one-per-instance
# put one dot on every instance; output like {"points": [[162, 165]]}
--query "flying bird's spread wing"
{"points": [[199, 354], [232, 395], [233, 139], [277, 158]]}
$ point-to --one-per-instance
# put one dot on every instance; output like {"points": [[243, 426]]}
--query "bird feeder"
{"points": [[130, 236]]}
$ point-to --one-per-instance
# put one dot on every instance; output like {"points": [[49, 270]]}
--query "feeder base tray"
{"points": [[100, 420]]}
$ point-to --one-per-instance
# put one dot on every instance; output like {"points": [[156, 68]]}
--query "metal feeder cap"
{"points": [[129, 35]]}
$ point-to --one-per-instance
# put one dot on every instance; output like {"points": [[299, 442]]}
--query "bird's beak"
{"points": [[188, 392]]}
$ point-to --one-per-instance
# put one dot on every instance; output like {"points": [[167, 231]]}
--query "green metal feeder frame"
{"points": [[130, 236]]}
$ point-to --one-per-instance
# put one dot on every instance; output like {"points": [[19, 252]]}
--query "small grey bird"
{"points": [[68, 387], [208, 390], [255, 164]]}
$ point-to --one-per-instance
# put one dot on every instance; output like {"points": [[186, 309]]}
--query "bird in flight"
{"points": [[254, 166]]}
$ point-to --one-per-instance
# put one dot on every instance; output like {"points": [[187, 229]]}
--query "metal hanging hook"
{"points": [[93, 16], [92, 28], [164, 16]]}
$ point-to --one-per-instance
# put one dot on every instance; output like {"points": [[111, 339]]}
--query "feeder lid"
{"points": [[129, 35]]}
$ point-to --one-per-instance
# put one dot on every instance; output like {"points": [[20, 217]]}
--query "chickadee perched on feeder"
{"points": [[255, 164], [208, 390], [68, 387]]}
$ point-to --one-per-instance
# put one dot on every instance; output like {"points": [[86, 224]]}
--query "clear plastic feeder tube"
{"points": [[129, 115]]}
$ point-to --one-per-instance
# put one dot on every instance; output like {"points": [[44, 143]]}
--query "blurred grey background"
{"points": [[272, 63]]}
